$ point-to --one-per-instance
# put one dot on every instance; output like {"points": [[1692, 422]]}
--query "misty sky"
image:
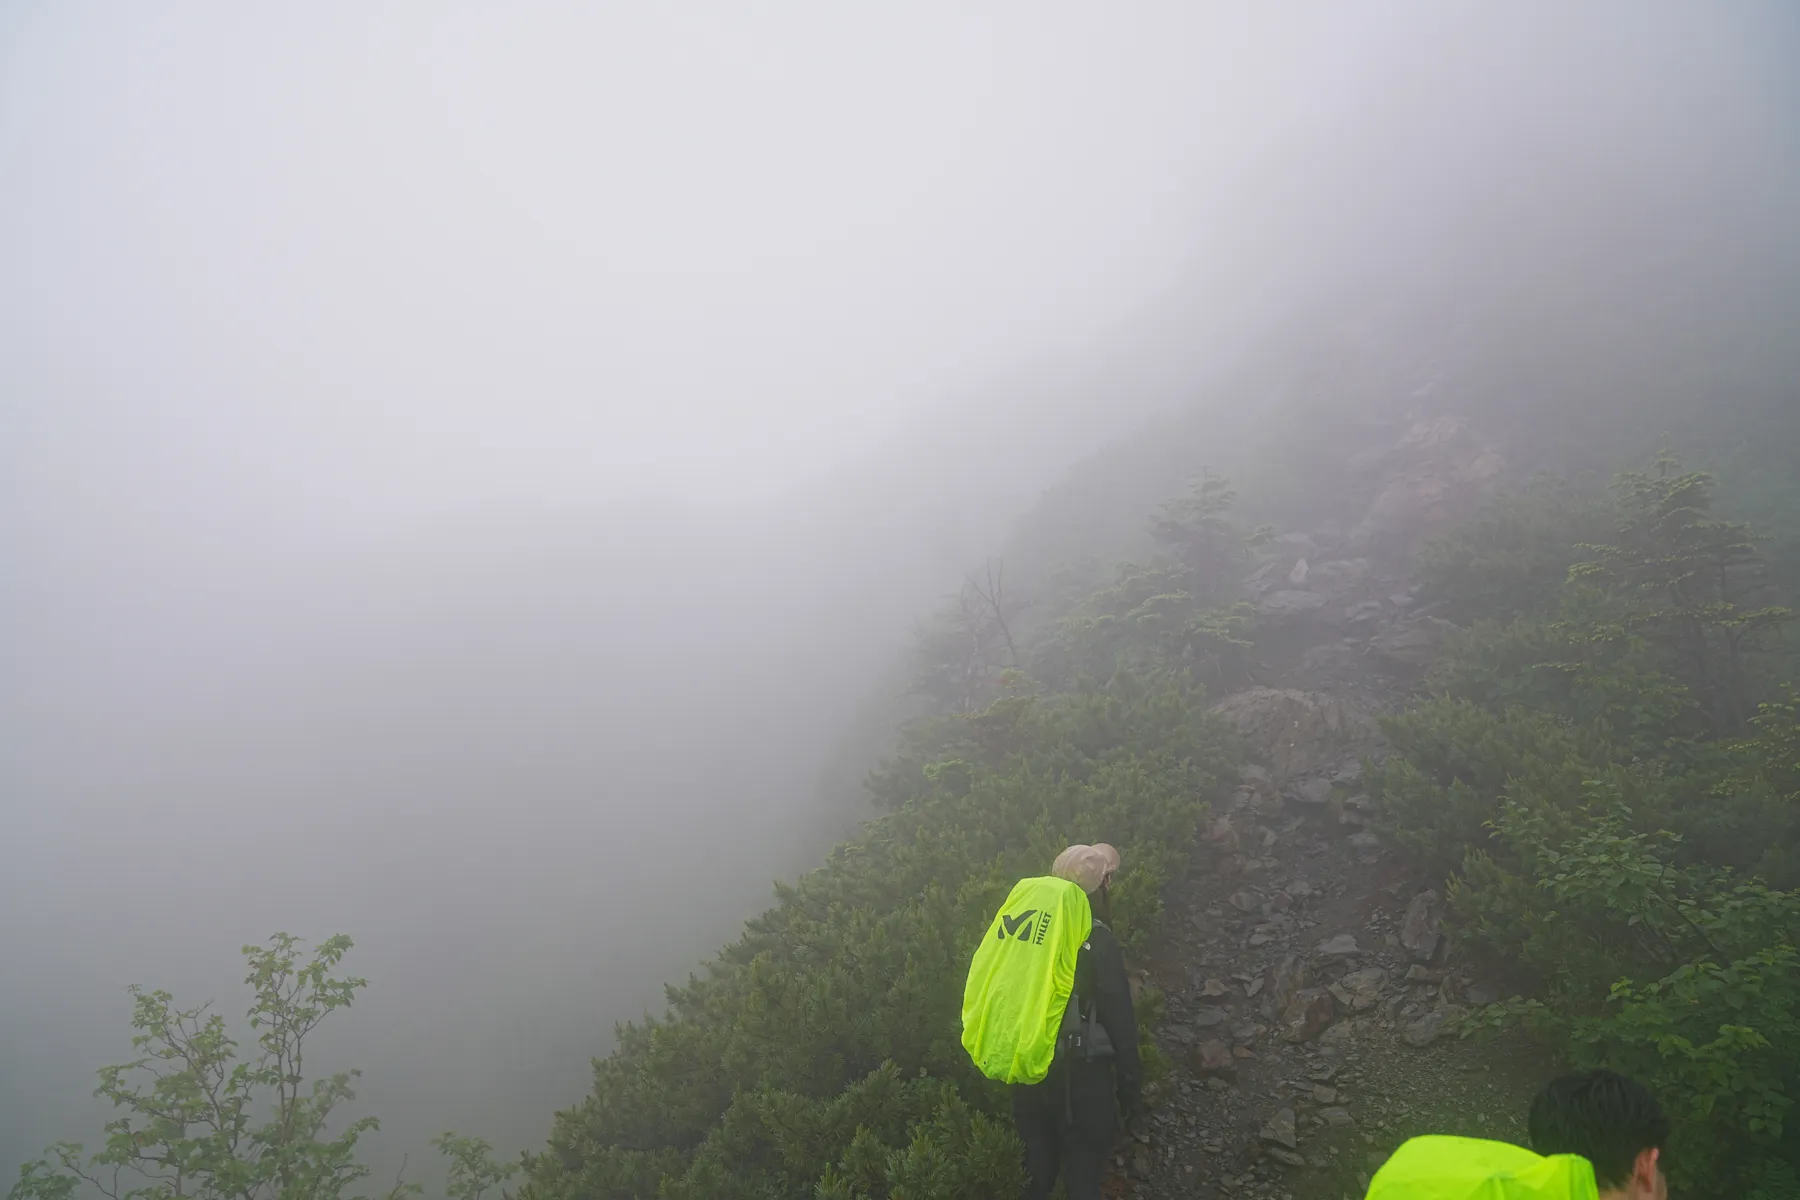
{"points": [[353, 263], [459, 463], [356, 261]]}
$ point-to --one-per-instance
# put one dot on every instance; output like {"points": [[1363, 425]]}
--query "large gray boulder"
{"points": [[1340, 576], [1213, 1057], [1412, 644], [1439, 472], [1290, 604], [1307, 1015], [1432, 1026], [1297, 733], [1364, 987], [1281, 1129], [1315, 791], [1422, 928], [1286, 979]]}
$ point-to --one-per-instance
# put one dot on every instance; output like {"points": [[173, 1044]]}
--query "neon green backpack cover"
{"points": [[1458, 1168], [1020, 980]]}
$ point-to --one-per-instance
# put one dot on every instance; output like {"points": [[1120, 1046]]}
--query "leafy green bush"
{"points": [[1177, 613], [822, 1050], [1590, 766], [821, 1053], [1578, 663], [1692, 584], [199, 1120], [1513, 558], [1686, 977], [1453, 761], [1148, 620]]}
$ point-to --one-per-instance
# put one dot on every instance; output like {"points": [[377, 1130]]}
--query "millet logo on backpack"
{"points": [[1023, 928]]}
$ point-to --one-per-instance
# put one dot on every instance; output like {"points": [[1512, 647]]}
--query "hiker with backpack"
{"points": [[1595, 1135], [1047, 1009]]}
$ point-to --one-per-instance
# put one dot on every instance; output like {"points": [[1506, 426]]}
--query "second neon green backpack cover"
{"points": [[1458, 1168], [1020, 980]]}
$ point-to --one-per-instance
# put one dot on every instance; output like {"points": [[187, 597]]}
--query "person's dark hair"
{"points": [[1100, 903], [1602, 1116]]}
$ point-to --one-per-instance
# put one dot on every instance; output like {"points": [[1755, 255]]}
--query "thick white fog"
{"points": [[461, 465]]}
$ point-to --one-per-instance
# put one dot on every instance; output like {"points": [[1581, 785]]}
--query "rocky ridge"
{"points": [[1310, 993]]}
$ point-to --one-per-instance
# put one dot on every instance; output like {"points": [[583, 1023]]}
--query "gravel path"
{"points": [[1310, 995], [1303, 1040]]}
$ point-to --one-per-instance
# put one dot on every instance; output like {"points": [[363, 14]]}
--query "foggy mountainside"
{"points": [[507, 487]]}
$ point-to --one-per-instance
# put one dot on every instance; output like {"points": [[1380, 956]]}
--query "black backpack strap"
{"points": [[1081, 1035]]}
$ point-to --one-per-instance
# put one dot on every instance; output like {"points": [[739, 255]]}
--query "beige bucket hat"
{"points": [[1089, 867]]}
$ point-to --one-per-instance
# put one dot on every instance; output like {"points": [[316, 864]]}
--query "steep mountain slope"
{"points": [[1308, 1012], [1360, 433], [1313, 993]]}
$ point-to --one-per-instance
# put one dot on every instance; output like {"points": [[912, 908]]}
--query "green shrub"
{"points": [[822, 1050], [1587, 767], [1453, 761], [1513, 558], [820, 1054]]}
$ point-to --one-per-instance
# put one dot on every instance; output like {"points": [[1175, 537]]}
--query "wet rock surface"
{"points": [[1312, 994], [1437, 473], [1293, 732], [1293, 1073], [1412, 644], [1308, 1014], [1421, 929]]}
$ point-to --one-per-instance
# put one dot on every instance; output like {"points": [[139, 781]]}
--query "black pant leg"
{"points": [[1089, 1135], [1083, 1166], [1037, 1120]]}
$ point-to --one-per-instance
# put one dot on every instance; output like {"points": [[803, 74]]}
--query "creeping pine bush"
{"points": [[820, 1054], [1612, 774]]}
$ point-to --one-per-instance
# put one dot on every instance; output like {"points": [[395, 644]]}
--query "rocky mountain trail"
{"points": [[1310, 993], [1309, 1016], [1334, 604]]}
